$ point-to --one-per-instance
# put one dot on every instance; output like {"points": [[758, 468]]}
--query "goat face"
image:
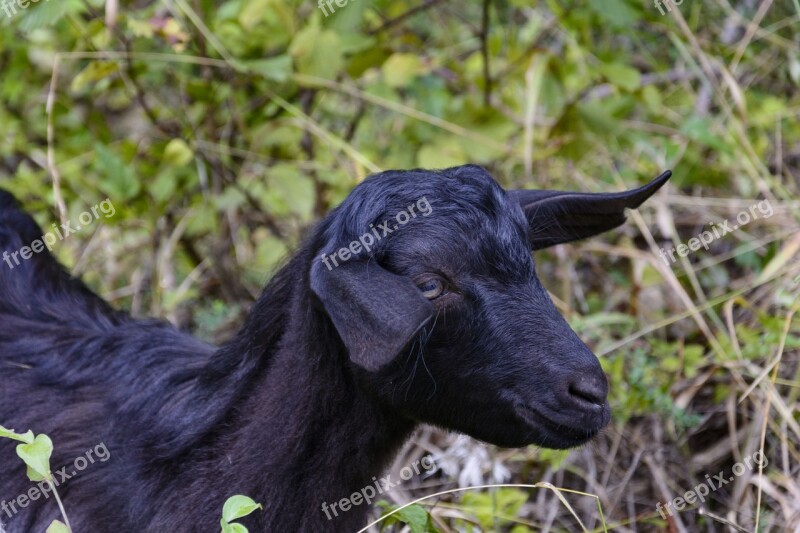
{"points": [[441, 312]]}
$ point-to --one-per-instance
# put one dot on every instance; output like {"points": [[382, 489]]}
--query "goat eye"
{"points": [[432, 288]]}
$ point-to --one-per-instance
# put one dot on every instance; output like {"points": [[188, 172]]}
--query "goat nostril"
{"points": [[589, 390]]}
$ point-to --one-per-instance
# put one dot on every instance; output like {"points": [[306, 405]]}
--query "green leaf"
{"points": [[276, 68], [401, 69], [11, 434], [348, 17], [554, 457], [230, 199], [118, 180], [621, 75], [37, 456], [177, 153], [596, 117], [488, 506], [94, 72], [441, 154], [237, 507], [699, 129], [49, 14], [652, 98], [617, 13], [57, 527], [233, 528], [254, 13], [317, 52], [270, 253], [415, 516], [353, 43], [295, 190], [140, 28], [163, 187]]}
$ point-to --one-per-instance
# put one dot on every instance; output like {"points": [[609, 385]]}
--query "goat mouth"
{"points": [[553, 434]]}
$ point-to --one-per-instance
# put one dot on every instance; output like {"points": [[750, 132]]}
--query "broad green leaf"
{"points": [[118, 180], [597, 118], [233, 528], [652, 98], [270, 252], [230, 199], [253, 13], [488, 506], [415, 516], [275, 68], [621, 75], [401, 69], [177, 153], [94, 72], [617, 13], [347, 17], [11, 434], [353, 43], [295, 190], [163, 187], [37, 456], [33, 475], [140, 28], [317, 52], [237, 507], [48, 13], [699, 129], [57, 527], [442, 154], [554, 457]]}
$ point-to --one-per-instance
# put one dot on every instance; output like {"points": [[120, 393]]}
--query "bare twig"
{"points": [[51, 157], [487, 75], [400, 18]]}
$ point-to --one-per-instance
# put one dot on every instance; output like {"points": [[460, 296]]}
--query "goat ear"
{"points": [[556, 217], [377, 313]]}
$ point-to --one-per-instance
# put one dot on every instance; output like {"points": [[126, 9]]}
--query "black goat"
{"points": [[436, 317]]}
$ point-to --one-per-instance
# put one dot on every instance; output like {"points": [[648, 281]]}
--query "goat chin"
{"points": [[437, 317]]}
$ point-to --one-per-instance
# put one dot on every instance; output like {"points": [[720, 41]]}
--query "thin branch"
{"points": [[400, 18], [484, 35], [351, 129], [51, 155]]}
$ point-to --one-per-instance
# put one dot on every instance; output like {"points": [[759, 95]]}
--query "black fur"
{"points": [[330, 374]]}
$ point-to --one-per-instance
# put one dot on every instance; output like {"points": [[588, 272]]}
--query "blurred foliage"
{"points": [[414, 516]]}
